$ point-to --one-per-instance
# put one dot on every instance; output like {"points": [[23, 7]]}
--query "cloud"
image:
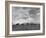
{"points": [[38, 14], [25, 15]]}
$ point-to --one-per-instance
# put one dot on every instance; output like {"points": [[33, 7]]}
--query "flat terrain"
{"points": [[22, 27]]}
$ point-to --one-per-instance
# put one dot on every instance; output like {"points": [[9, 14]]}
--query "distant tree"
{"points": [[22, 24], [17, 24]]}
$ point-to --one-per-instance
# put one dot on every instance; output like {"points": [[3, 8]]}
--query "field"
{"points": [[27, 26]]}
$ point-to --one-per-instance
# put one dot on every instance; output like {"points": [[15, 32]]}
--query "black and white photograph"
{"points": [[25, 18]]}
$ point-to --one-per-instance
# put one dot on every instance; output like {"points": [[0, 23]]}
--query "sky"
{"points": [[25, 15]]}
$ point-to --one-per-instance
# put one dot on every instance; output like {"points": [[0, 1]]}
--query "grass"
{"points": [[27, 26]]}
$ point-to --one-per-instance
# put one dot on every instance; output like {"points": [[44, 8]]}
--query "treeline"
{"points": [[27, 24]]}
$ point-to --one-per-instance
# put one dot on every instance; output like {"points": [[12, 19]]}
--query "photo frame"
{"points": [[24, 18]]}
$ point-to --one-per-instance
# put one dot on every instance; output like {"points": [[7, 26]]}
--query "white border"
{"points": [[31, 31]]}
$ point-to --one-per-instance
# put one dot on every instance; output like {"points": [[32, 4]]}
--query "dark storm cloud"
{"points": [[25, 14]]}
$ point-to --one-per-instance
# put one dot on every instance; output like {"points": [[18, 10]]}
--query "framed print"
{"points": [[24, 18]]}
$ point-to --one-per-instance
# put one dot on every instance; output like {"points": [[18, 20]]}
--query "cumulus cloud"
{"points": [[25, 15]]}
